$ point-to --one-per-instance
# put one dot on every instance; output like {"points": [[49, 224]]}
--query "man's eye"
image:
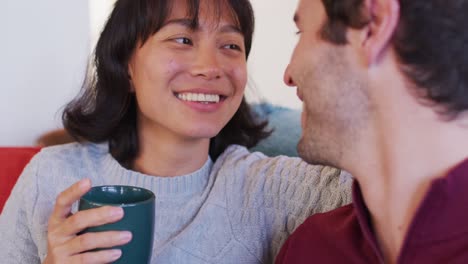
{"points": [[182, 40], [298, 32]]}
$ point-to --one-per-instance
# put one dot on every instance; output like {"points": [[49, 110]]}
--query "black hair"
{"points": [[430, 42], [106, 110]]}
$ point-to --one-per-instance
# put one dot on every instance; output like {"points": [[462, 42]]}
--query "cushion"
{"points": [[286, 126], [12, 162]]}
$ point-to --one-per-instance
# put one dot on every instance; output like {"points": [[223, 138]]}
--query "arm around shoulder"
{"points": [[271, 197], [299, 189]]}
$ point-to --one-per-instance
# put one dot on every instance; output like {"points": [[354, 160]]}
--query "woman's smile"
{"points": [[202, 100], [189, 81]]}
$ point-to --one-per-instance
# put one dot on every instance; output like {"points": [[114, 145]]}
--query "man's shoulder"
{"points": [[331, 237], [330, 225]]}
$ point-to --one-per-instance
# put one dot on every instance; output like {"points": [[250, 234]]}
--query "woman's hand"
{"points": [[65, 246]]}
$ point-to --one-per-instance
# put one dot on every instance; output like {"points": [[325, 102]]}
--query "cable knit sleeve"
{"points": [[16, 219], [269, 198]]}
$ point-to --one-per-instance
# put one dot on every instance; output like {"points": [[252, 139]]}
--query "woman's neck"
{"points": [[166, 155]]}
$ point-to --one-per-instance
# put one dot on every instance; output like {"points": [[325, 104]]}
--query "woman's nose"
{"points": [[206, 65]]}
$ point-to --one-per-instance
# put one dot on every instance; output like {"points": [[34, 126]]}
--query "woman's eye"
{"points": [[233, 47], [183, 40]]}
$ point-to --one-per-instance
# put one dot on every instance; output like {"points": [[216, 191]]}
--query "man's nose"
{"points": [[206, 65], [287, 78]]}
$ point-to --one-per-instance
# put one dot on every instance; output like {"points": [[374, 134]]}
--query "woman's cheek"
{"points": [[175, 66], [240, 77]]}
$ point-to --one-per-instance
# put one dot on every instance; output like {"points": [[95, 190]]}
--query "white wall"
{"points": [[44, 48], [273, 44]]}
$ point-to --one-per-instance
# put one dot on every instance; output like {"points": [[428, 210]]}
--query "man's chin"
{"points": [[312, 154], [305, 152]]}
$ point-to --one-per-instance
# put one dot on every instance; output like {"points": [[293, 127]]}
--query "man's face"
{"points": [[334, 95]]}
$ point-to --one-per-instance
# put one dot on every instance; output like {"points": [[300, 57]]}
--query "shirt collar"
{"points": [[442, 214]]}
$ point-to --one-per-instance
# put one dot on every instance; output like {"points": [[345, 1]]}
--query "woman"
{"points": [[166, 112]]}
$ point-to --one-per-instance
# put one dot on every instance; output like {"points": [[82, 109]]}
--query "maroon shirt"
{"points": [[437, 234]]}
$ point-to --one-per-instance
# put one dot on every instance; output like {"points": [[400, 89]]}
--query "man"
{"points": [[384, 85]]}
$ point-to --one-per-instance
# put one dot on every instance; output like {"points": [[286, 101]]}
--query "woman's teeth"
{"points": [[198, 97]]}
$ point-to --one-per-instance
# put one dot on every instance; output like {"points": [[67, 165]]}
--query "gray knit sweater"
{"points": [[238, 210]]}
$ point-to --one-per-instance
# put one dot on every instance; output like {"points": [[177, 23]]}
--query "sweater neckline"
{"points": [[182, 185]]}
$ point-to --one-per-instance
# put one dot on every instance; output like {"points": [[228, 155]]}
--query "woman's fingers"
{"points": [[62, 210], [89, 241], [104, 256], [94, 240], [65, 246], [89, 218], [75, 249], [66, 199]]}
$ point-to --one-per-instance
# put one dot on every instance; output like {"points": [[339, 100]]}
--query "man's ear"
{"points": [[384, 16]]}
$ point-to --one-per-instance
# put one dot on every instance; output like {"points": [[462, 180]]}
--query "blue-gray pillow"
{"points": [[286, 125]]}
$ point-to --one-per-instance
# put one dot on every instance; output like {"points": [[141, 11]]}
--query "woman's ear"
{"points": [[130, 74], [384, 16]]}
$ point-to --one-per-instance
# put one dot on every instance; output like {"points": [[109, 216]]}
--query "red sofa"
{"points": [[12, 162]]}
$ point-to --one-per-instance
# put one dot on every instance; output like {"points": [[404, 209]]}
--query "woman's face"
{"points": [[189, 82]]}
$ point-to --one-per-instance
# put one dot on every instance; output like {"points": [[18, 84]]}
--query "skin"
{"points": [[210, 59], [329, 88], [64, 246], [361, 114], [174, 134]]}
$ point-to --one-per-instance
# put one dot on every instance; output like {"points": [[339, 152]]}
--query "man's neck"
{"points": [[393, 201], [401, 163]]}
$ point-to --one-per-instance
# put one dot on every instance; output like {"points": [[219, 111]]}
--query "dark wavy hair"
{"points": [[106, 109], [430, 41]]}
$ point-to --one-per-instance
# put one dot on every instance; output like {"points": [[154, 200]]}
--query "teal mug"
{"points": [[138, 205]]}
